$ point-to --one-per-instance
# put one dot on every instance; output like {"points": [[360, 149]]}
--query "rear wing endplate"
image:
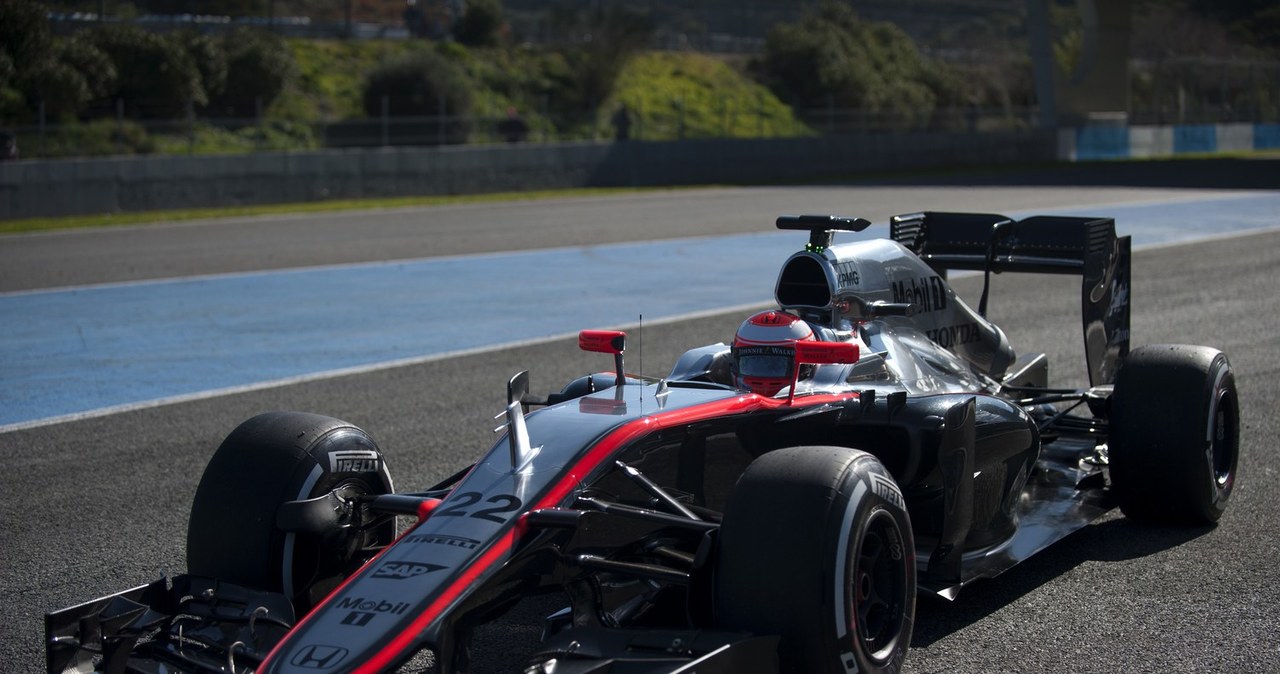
{"points": [[1042, 244]]}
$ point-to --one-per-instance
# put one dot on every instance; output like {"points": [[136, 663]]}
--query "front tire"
{"points": [[269, 460], [1175, 434], [816, 546]]}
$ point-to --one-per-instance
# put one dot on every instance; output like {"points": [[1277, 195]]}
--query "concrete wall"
{"points": [[52, 188]]}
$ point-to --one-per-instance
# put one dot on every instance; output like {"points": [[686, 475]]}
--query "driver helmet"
{"points": [[764, 351]]}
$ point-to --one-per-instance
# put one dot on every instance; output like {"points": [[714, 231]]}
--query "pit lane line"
{"points": [[160, 335]]}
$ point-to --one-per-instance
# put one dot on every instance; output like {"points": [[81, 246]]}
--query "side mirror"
{"points": [[603, 341], [606, 341], [518, 388], [821, 353]]}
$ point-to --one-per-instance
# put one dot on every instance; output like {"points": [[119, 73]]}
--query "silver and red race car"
{"points": [[773, 504]]}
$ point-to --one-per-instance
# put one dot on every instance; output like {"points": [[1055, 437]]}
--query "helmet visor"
{"points": [[774, 362]]}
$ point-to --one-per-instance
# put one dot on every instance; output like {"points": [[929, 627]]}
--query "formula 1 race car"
{"points": [[774, 504]]}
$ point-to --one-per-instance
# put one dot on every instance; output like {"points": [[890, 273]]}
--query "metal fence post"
{"points": [[679, 106], [386, 120], [546, 116], [724, 117], [440, 120], [257, 120], [120, 122], [759, 116], [40, 143]]}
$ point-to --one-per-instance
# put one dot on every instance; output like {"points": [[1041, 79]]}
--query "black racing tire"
{"points": [[1175, 434], [269, 460], [816, 547]]}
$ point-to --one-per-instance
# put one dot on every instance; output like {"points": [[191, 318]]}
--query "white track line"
{"points": [[419, 360], [347, 371]]}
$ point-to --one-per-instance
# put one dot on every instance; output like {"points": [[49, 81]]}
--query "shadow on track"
{"points": [[1111, 540]]}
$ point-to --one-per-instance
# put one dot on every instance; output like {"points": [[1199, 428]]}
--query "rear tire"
{"points": [[1175, 434], [816, 546], [269, 460]]}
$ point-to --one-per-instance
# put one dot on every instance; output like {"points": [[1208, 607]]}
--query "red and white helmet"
{"points": [[764, 351]]}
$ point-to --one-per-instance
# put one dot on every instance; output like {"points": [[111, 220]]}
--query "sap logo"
{"points": [[318, 657], [404, 570], [354, 461]]}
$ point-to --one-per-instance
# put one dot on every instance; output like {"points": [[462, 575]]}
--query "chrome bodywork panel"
{"points": [[885, 271]]}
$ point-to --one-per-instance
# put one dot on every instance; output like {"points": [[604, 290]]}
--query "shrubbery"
{"points": [[481, 23], [96, 138], [830, 59], [209, 58], [611, 38], [672, 96], [834, 58], [271, 135], [58, 86], [422, 84], [155, 75], [32, 70], [259, 67]]}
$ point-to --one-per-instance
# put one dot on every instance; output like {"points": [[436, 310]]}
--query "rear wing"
{"points": [[1042, 244]]}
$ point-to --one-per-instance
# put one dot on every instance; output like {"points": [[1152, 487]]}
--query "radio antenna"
{"points": [[640, 351]]}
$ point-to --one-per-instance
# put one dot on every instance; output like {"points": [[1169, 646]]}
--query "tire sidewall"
{"points": [[1162, 461], [882, 508], [799, 515], [269, 460], [1222, 414]]}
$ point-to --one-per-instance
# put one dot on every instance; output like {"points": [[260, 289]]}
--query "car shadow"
{"points": [[1111, 540]]}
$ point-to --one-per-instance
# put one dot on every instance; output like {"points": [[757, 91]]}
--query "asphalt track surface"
{"points": [[100, 504]]}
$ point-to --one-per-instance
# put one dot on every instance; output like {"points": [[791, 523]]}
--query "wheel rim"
{"points": [[879, 587], [317, 565], [1222, 444]]}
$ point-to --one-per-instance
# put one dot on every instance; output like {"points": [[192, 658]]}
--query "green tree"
{"points": [[156, 76], [24, 44], [227, 7], [1255, 21], [7, 71], [480, 24], [610, 38], [38, 69], [24, 34], [95, 66], [832, 57], [259, 67], [421, 85], [58, 87], [210, 59]]}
